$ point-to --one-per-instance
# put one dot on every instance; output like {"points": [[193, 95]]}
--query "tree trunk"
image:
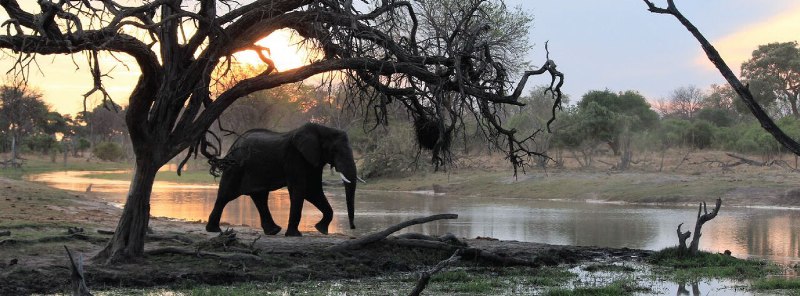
{"points": [[14, 155], [128, 240]]}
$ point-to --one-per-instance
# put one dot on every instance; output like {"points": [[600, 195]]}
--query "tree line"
{"points": [[29, 125]]}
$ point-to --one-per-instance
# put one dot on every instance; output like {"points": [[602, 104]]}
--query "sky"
{"points": [[613, 44], [619, 45]]}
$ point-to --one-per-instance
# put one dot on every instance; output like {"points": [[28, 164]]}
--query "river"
{"points": [[766, 233]]}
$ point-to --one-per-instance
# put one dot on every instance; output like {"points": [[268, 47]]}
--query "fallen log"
{"points": [[377, 236], [197, 253], [747, 160]]}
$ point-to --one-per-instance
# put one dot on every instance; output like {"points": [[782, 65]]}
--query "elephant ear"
{"points": [[309, 147]]}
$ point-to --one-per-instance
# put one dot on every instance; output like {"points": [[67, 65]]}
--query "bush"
{"points": [[108, 151]]}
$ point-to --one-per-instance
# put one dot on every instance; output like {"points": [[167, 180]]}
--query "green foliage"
{"points": [[704, 264], [386, 151], [776, 283], [619, 287], [750, 137], [717, 116], [108, 151], [773, 73], [605, 116], [40, 142]]}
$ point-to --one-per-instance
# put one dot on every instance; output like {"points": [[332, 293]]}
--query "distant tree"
{"points": [[773, 73], [609, 115], [684, 102], [533, 118], [720, 97], [104, 122], [23, 112]]}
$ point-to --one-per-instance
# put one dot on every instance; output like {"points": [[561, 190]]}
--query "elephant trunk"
{"points": [[350, 192], [347, 167]]}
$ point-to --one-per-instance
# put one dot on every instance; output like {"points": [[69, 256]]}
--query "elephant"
{"points": [[260, 161]]}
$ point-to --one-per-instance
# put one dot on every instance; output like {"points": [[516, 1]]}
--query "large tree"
{"points": [[438, 75], [773, 73]]}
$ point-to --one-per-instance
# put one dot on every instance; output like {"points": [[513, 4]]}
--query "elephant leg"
{"points": [[319, 201], [225, 194], [223, 198], [267, 224], [295, 209]]}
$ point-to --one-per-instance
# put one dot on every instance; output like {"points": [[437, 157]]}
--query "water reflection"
{"points": [[762, 233]]}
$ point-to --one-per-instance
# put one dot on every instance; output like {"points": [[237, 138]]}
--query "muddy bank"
{"points": [[41, 221]]}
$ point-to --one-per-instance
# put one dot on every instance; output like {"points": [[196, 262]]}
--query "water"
{"points": [[772, 234]]}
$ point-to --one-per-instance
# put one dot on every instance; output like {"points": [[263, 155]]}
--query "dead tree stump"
{"points": [[703, 216]]}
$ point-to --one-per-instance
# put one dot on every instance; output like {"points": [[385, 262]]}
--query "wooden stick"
{"points": [[79, 287], [425, 276]]}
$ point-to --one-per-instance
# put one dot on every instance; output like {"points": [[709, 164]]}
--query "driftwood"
{"points": [[703, 216], [747, 160], [169, 237], [682, 237], [377, 236], [425, 276], [79, 287], [182, 251]]}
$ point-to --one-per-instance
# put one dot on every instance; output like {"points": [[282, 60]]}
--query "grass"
{"points": [[777, 283], [618, 287], [683, 266], [35, 164]]}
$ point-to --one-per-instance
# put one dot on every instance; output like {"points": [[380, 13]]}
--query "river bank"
{"points": [[40, 218]]}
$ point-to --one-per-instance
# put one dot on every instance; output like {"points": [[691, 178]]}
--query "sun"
{"points": [[284, 51]]}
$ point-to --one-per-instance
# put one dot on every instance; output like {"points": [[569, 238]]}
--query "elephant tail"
{"points": [[219, 165]]}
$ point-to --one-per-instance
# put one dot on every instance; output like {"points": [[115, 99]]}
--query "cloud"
{"points": [[738, 47]]}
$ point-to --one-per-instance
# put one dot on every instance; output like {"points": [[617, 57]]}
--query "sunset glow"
{"points": [[738, 47], [284, 51]]}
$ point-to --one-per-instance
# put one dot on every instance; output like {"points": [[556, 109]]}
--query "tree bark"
{"points": [[703, 216], [128, 240], [682, 237]]}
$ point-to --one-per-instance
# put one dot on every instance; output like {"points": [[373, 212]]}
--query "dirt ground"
{"points": [[41, 221]]}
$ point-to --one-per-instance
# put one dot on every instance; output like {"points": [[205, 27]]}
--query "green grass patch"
{"points": [[461, 281], [777, 283], [540, 277], [682, 265], [619, 287]]}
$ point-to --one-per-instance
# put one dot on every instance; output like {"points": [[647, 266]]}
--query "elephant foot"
{"points": [[271, 230], [322, 228], [293, 233], [213, 228]]}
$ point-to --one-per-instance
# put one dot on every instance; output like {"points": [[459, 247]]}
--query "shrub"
{"points": [[108, 151]]}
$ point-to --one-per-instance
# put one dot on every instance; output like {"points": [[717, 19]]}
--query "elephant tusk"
{"points": [[362, 180], [344, 179]]}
